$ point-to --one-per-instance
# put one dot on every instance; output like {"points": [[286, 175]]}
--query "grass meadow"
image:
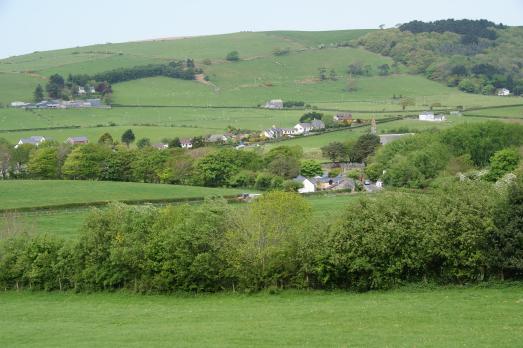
{"points": [[36, 193], [408, 317]]}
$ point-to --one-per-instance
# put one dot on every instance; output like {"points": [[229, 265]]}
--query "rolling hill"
{"points": [[165, 107]]}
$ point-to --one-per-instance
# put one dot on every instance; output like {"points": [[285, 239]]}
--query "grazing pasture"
{"points": [[38, 193], [442, 317]]}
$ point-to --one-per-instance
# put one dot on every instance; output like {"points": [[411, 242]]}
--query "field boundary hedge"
{"points": [[104, 203]]}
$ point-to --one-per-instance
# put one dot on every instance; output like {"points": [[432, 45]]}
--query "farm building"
{"points": [[161, 146], [186, 143], [308, 185], [303, 128], [81, 140], [274, 104], [34, 140], [503, 92], [343, 117], [429, 116]]}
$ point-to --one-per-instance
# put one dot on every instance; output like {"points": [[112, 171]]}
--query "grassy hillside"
{"points": [[35, 193], [258, 77], [435, 318]]}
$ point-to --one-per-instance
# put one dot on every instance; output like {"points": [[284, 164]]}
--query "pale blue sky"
{"points": [[36, 25]]}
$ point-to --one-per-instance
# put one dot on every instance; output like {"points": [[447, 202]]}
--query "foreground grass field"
{"points": [[454, 317], [36, 193]]}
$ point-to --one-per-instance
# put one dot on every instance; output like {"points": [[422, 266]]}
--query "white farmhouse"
{"points": [[303, 128], [186, 143], [429, 116], [503, 92], [274, 104], [308, 186], [34, 140]]}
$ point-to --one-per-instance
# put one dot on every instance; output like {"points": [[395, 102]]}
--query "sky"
{"points": [[38, 25]]}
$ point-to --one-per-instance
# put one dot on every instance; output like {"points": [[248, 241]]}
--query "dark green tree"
{"points": [[38, 94], [128, 137], [55, 86], [335, 151]]}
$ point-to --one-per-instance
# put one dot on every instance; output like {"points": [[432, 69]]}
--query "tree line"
{"points": [[471, 29], [460, 233], [58, 87]]}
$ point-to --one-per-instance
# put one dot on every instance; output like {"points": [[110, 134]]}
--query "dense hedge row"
{"points": [[461, 233]]}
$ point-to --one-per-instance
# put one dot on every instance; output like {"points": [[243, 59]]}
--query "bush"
{"points": [[233, 56]]}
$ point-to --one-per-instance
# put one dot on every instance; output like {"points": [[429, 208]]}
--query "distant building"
{"points": [[317, 124], [308, 185], [272, 133], [429, 116], [81, 140], [34, 140], [19, 104], [503, 92], [303, 128], [161, 146], [389, 138], [274, 104], [289, 131], [81, 90], [186, 143], [343, 117], [216, 138]]}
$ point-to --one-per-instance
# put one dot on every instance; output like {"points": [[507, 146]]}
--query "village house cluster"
{"points": [[299, 129], [37, 140], [60, 104]]}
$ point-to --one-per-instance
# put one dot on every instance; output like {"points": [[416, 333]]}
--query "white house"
{"points": [[34, 140], [19, 104], [308, 186], [274, 104], [302, 128], [503, 92], [429, 116], [379, 184], [186, 143], [81, 90]]}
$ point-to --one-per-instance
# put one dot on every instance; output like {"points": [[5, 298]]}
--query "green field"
{"points": [[36, 193], [452, 317]]}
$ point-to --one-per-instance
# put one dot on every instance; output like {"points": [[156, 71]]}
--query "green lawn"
{"points": [[35, 193], [452, 317]]}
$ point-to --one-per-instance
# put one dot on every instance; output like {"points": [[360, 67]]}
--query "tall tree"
{"points": [[55, 86], [38, 94], [128, 137]]}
